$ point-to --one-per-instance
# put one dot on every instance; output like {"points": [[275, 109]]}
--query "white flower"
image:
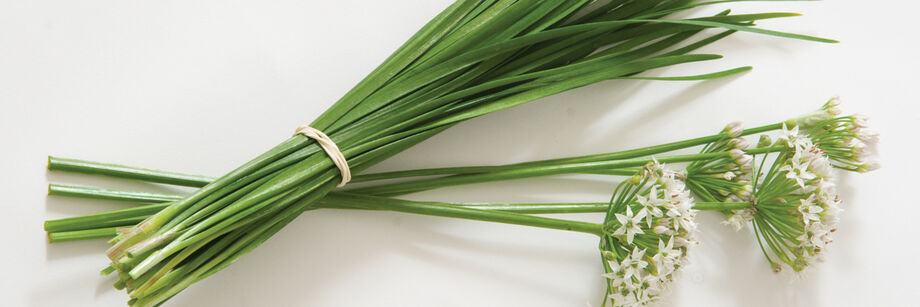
{"points": [[634, 264], [829, 111], [792, 137], [651, 204], [740, 143], [745, 194], [858, 148], [623, 297], [734, 129], [647, 289], [740, 157], [810, 210], [679, 206], [860, 120], [739, 218], [816, 238], [869, 166], [677, 195], [666, 259], [832, 106], [683, 242], [629, 224], [867, 135], [797, 169], [686, 221], [818, 163]]}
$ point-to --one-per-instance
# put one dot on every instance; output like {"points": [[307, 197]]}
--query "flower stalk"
{"points": [[102, 225]]}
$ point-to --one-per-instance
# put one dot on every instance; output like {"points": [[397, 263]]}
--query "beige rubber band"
{"points": [[331, 149]]}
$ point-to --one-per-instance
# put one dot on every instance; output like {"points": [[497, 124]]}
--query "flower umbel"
{"points": [[644, 250], [794, 206], [717, 180], [846, 140]]}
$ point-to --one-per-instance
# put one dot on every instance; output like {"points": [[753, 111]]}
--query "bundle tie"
{"points": [[330, 148]]}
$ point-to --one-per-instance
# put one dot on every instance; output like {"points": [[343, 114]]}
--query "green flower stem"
{"points": [[615, 172], [132, 196], [526, 208], [345, 200], [537, 208], [439, 209], [182, 179], [720, 206], [472, 212], [98, 225], [523, 170], [130, 217], [626, 154], [544, 169]]}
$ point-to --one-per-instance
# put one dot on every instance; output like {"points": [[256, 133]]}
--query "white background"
{"points": [[201, 86]]}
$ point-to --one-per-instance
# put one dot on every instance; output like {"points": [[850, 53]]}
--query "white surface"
{"points": [[202, 86]]}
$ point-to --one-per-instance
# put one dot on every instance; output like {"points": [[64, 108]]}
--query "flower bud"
{"points": [[737, 154], [869, 166], [609, 256], [777, 268], [859, 149], [681, 242], [635, 180], [734, 129], [860, 120], [765, 141], [866, 135], [681, 175], [740, 157], [746, 193], [740, 143], [833, 106]]}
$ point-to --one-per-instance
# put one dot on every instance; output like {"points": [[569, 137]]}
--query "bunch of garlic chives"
{"points": [[474, 58]]}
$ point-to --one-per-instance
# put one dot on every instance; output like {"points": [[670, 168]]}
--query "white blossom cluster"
{"points": [[846, 140], [799, 188], [652, 236], [739, 217], [818, 206], [742, 163], [720, 178], [734, 174]]}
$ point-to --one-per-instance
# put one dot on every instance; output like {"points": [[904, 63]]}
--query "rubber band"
{"points": [[330, 148]]}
